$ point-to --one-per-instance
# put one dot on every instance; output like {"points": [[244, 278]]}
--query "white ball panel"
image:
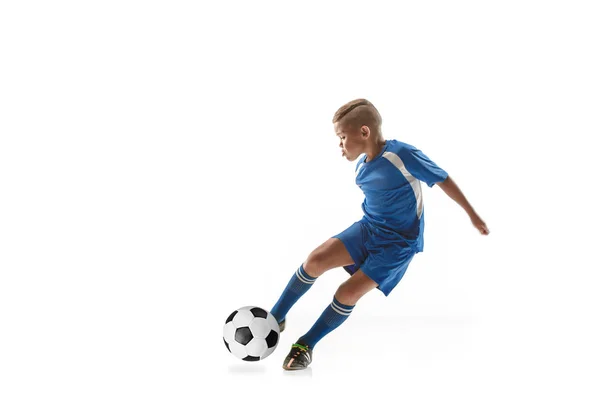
{"points": [[260, 328], [272, 323], [256, 347], [245, 308], [243, 318], [238, 350], [229, 332]]}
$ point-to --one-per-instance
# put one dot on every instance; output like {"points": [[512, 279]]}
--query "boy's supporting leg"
{"points": [[332, 317], [340, 308]]}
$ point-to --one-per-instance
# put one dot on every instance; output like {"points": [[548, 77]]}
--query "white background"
{"points": [[164, 163]]}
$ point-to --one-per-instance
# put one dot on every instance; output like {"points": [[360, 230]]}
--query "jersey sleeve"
{"points": [[421, 167]]}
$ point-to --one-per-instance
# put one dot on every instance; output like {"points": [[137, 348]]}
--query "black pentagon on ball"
{"points": [[243, 335], [272, 339], [226, 345], [231, 316], [251, 358], [258, 312]]}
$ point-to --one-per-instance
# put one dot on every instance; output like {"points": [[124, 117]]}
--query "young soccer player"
{"points": [[377, 249]]}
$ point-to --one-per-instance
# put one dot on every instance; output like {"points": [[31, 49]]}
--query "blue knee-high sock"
{"points": [[296, 287], [333, 316]]}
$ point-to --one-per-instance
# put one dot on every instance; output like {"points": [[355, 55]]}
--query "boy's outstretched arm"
{"points": [[454, 192]]}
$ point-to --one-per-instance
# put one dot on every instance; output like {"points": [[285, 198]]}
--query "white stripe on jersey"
{"points": [[358, 168], [414, 182]]}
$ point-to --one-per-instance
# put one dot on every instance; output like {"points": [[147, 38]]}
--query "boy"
{"points": [[377, 249]]}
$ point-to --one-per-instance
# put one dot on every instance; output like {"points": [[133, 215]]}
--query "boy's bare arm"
{"points": [[453, 191]]}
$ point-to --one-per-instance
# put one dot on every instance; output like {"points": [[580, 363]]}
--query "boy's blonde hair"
{"points": [[357, 113]]}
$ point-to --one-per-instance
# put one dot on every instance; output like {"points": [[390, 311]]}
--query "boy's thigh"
{"points": [[354, 238], [330, 254]]}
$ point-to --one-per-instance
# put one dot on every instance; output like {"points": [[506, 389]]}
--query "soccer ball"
{"points": [[251, 333]]}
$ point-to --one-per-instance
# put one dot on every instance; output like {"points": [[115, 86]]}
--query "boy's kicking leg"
{"points": [[332, 253], [335, 314]]}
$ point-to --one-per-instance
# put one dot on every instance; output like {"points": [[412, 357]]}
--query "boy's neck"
{"points": [[375, 149]]}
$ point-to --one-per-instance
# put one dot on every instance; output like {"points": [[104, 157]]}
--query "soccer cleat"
{"points": [[282, 326], [300, 357]]}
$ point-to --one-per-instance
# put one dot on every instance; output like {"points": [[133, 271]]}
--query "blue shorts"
{"points": [[381, 255]]}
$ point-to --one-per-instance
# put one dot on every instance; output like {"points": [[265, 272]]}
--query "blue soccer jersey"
{"points": [[391, 183]]}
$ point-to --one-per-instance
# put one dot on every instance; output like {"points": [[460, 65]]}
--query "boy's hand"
{"points": [[479, 224]]}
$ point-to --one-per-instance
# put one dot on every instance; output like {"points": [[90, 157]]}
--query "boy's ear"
{"points": [[365, 131]]}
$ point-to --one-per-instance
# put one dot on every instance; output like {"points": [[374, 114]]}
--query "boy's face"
{"points": [[352, 140]]}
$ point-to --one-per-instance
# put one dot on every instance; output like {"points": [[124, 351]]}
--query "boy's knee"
{"points": [[347, 294], [315, 264]]}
